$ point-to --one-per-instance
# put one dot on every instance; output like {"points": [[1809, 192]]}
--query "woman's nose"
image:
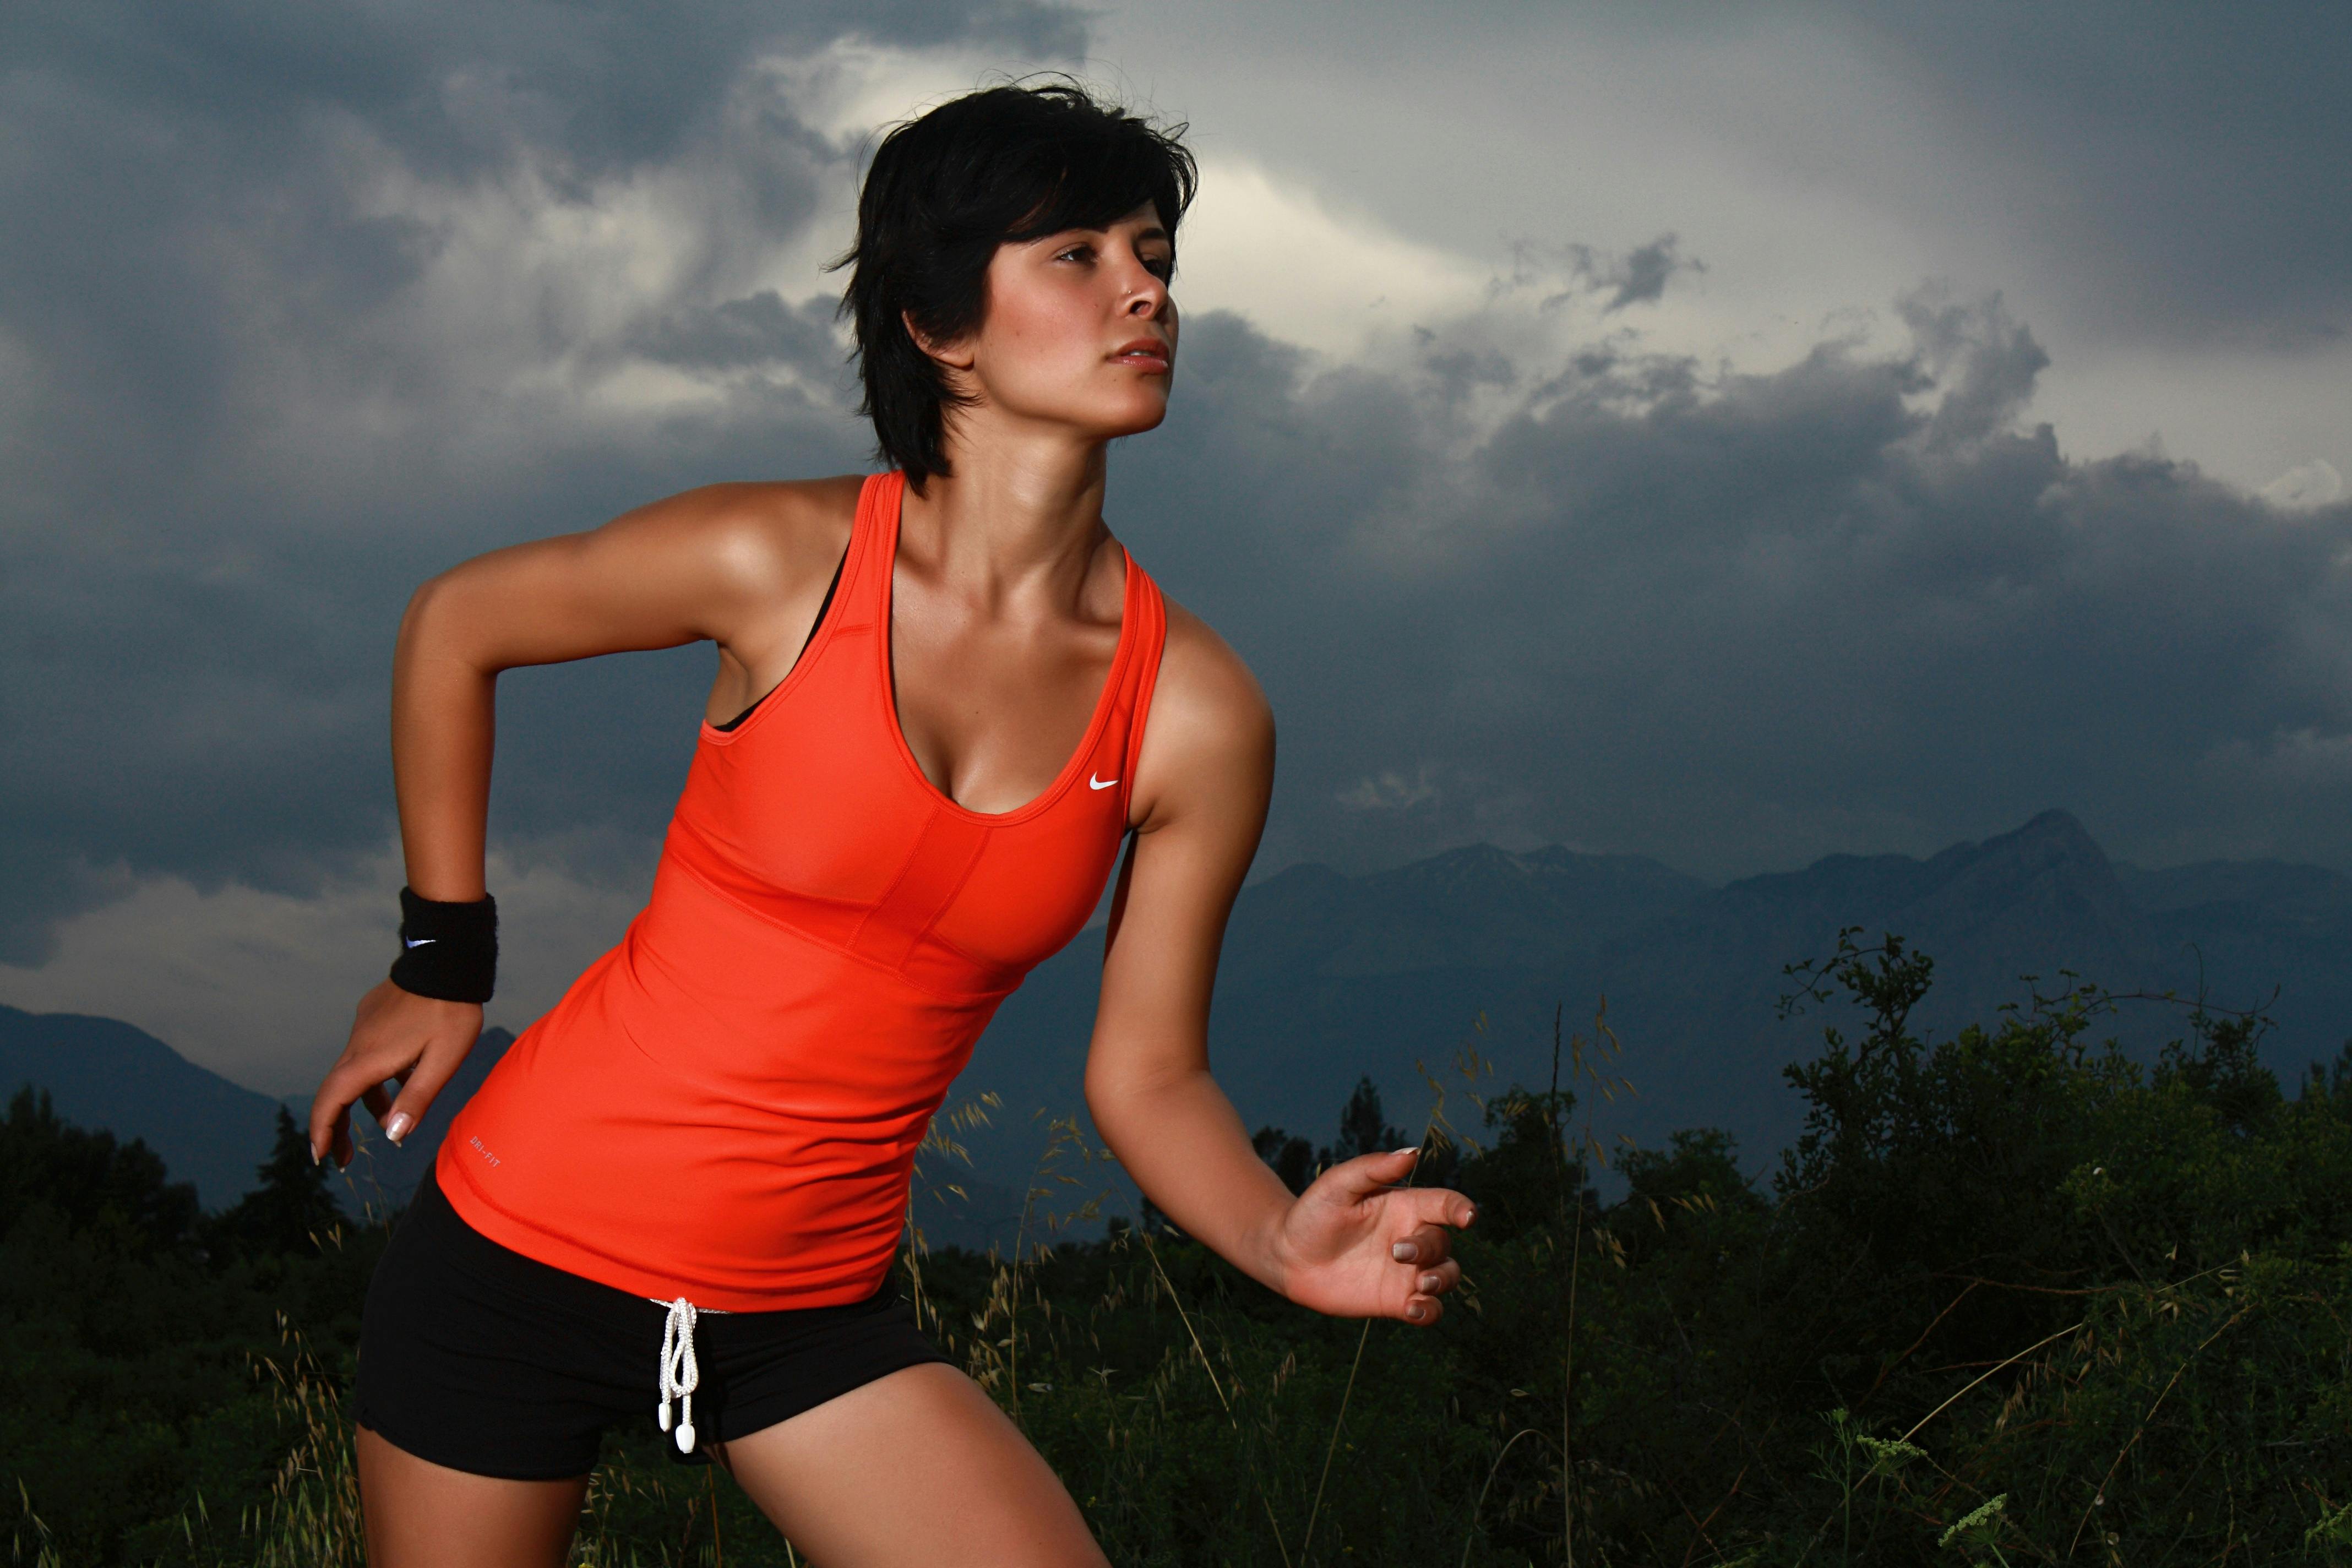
{"points": [[1148, 295], [1150, 299]]}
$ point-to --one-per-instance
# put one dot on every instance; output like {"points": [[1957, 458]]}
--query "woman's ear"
{"points": [[955, 354]]}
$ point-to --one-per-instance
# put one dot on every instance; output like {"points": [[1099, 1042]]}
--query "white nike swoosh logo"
{"points": [[1094, 782], [419, 940]]}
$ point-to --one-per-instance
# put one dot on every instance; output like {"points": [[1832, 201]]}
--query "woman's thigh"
{"points": [[913, 1469], [424, 1515]]}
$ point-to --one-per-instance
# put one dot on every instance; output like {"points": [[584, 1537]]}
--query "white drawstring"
{"points": [[680, 1375]]}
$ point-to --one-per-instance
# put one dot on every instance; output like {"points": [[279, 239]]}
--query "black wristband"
{"points": [[447, 951]]}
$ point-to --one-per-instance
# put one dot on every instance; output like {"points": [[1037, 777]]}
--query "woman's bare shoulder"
{"points": [[788, 512], [1200, 670], [827, 500], [765, 534], [1210, 719]]}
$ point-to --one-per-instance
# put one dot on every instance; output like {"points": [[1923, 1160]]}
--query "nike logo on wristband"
{"points": [[418, 941], [1094, 782]]}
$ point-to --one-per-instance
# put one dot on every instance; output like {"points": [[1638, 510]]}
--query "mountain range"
{"points": [[1328, 978]]}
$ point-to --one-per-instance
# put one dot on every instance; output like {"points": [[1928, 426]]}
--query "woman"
{"points": [[945, 697]]}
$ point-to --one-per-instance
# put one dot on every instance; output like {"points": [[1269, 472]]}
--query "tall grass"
{"points": [[1695, 1374], [312, 1517], [29, 1540]]}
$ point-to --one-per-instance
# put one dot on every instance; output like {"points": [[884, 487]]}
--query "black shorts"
{"points": [[483, 1360]]}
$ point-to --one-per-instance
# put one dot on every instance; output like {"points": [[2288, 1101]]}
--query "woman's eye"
{"points": [[1077, 253]]}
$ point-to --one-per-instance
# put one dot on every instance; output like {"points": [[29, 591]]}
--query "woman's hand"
{"points": [[418, 1040], [1356, 1244]]}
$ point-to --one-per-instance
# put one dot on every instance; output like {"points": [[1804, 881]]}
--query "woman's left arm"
{"points": [[1354, 1244]]}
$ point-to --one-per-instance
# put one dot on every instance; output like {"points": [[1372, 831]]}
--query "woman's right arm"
{"points": [[742, 565]]}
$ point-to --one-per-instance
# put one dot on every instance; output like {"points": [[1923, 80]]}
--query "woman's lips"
{"points": [[1144, 353]]}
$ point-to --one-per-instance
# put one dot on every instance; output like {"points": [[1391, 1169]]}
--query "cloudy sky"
{"points": [[1728, 434]]}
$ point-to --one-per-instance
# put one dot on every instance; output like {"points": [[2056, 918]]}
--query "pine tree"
{"points": [[1363, 1128], [1293, 1159], [292, 1208]]}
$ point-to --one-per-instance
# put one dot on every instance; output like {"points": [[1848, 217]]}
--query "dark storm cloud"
{"points": [[1737, 621], [456, 83], [1638, 278], [759, 328], [296, 307], [2184, 165], [243, 412]]}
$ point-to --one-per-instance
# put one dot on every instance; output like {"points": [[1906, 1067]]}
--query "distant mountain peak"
{"points": [[2054, 844], [2049, 838], [1484, 862], [2055, 828], [1466, 861]]}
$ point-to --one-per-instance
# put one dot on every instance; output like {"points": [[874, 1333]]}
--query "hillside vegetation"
{"points": [[2012, 1297]]}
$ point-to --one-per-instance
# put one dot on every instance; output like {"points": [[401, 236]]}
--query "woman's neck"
{"points": [[1016, 513]]}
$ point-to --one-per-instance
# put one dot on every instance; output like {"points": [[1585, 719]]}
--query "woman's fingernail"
{"points": [[397, 1128], [1413, 1312], [1429, 1284], [1468, 1216], [1404, 1252]]}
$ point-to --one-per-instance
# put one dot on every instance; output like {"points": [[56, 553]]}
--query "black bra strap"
{"points": [[822, 606]]}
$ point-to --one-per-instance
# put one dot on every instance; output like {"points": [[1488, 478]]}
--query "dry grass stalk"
{"points": [[1201, 1352], [1431, 1135]]}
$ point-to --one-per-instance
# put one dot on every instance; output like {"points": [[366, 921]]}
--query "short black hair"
{"points": [[1004, 165]]}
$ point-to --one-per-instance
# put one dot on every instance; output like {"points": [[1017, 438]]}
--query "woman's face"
{"points": [[1078, 328]]}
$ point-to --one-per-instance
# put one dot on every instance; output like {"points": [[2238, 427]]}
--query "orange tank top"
{"points": [[727, 1105]]}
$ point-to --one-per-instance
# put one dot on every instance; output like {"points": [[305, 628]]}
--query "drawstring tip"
{"points": [[680, 1375]]}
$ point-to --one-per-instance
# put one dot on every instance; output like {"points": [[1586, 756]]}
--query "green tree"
{"points": [[1363, 1128], [292, 1210], [89, 1180], [1293, 1159]]}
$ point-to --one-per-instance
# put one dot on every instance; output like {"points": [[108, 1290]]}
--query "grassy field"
{"points": [[2013, 1299]]}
